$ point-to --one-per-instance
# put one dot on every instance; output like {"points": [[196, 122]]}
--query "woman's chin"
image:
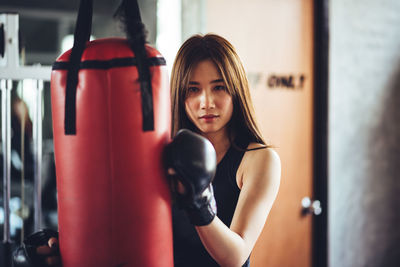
{"points": [[210, 129]]}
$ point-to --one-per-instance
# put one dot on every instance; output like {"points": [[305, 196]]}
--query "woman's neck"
{"points": [[220, 141]]}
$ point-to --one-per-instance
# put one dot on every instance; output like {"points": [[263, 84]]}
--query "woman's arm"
{"points": [[259, 174]]}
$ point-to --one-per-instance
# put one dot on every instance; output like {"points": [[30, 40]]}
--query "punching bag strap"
{"points": [[130, 14], [81, 36]]}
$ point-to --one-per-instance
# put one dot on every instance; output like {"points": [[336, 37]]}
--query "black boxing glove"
{"points": [[194, 160], [26, 256]]}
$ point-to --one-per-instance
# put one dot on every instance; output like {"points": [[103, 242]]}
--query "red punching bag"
{"points": [[111, 120]]}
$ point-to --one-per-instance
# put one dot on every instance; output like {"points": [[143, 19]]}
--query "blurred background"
{"points": [[325, 82]]}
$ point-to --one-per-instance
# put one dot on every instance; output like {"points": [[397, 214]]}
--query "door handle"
{"points": [[309, 206]]}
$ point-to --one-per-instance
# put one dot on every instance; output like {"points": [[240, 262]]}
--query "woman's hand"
{"points": [[50, 252]]}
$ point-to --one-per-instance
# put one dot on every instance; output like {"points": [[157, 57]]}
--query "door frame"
{"points": [[320, 166]]}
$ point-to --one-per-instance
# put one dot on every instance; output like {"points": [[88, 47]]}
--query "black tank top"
{"points": [[188, 249]]}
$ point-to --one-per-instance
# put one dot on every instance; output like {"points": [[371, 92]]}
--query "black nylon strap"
{"points": [[145, 87], [109, 64], [2, 40], [136, 39], [81, 36]]}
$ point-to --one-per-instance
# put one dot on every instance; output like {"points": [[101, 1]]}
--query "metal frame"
{"points": [[6, 86], [11, 70], [321, 73]]}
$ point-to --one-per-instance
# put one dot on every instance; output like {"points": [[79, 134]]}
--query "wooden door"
{"points": [[275, 41]]}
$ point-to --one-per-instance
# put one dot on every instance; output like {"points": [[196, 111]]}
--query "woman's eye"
{"points": [[193, 89], [220, 88]]}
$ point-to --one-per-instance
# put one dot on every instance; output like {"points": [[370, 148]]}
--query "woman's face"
{"points": [[208, 104]]}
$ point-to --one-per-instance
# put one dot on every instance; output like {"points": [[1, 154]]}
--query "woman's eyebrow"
{"points": [[217, 81], [213, 81]]}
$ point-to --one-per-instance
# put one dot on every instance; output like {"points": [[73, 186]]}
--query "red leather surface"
{"points": [[113, 199]]}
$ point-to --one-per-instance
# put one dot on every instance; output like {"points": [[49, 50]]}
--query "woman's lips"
{"points": [[209, 117]]}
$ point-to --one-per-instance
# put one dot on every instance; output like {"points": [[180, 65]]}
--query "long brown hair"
{"points": [[217, 49]]}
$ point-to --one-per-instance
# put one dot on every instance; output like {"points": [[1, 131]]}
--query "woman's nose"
{"points": [[207, 100]]}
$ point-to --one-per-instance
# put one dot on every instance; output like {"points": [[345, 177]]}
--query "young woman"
{"points": [[210, 96]]}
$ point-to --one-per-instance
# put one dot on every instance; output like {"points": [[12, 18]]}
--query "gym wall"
{"points": [[364, 133]]}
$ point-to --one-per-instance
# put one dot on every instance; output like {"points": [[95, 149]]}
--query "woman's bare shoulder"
{"points": [[260, 162], [262, 152]]}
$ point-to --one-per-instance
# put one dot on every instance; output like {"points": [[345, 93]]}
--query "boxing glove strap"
{"points": [[202, 216], [202, 213]]}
